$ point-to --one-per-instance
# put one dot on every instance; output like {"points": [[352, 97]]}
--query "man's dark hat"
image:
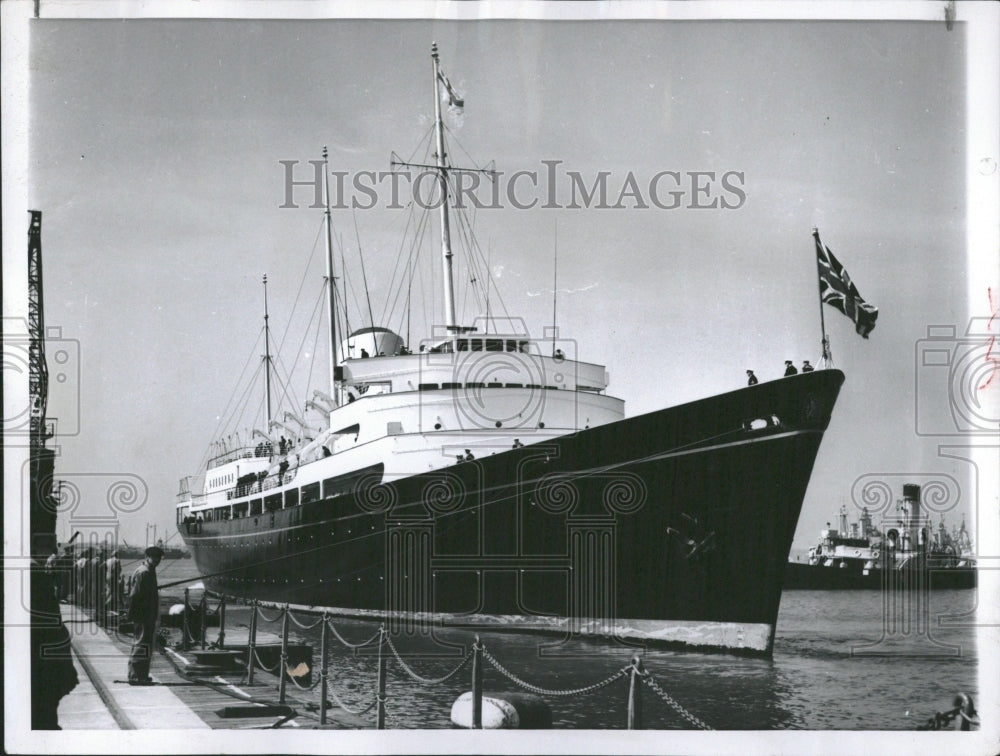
{"points": [[788, 362], [154, 551]]}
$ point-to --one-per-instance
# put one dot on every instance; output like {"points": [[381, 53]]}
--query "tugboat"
{"points": [[862, 556], [485, 479]]}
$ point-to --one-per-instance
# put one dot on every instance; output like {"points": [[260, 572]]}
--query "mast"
{"points": [[449, 290], [331, 309], [267, 359]]}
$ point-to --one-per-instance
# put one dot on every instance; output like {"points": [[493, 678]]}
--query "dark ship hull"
{"points": [[930, 576], [674, 526]]}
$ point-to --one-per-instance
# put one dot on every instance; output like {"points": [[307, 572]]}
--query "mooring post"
{"points": [[204, 603], [251, 642], [221, 642], [284, 657], [185, 644], [322, 671], [635, 695], [380, 696], [477, 685]]}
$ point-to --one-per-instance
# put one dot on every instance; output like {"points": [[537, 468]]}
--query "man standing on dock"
{"points": [[143, 610]]}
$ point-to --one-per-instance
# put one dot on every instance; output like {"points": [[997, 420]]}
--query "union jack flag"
{"points": [[837, 289]]}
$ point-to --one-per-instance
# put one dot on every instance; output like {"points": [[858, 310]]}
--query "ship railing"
{"points": [[382, 646], [246, 452]]}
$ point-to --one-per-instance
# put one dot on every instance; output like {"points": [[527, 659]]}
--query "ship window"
{"points": [[291, 497], [476, 345], [533, 385], [240, 510], [511, 345], [451, 385], [494, 345], [474, 385], [522, 346], [515, 385], [310, 493], [272, 502], [427, 386], [255, 507]]}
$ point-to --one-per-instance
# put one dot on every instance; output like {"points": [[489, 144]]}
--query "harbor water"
{"points": [[849, 660]]}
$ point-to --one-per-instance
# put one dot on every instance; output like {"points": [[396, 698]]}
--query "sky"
{"points": [[154, 156]]}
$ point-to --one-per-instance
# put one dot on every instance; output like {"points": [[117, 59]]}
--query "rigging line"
{"points": [[499, 294], [233, 420], [305, 333], [289, 389], [236, 419], [305, 275], [219, 426], [343, 269], [473, 263], [424, 138], [415, 244], [454, 138], [364, 276], [387, 316], [312, 362], [347, 284], [396, 291]]}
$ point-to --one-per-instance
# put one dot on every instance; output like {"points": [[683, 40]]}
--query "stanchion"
{"points": [[283, 671], [380, 716], [477, 685], [221, 642], [203, 620], [322, 671], [185, 643], [252, 642], [635, 695]]}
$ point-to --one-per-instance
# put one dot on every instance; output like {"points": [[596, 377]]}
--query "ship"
{"points": [[906, 551], [484, 478]]}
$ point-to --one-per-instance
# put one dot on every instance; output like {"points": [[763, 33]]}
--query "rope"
{"points": [[306, 687], [425, 680], [270, 670], [348, 709], [339, 637], [672, 703], [317, 623], [547, 692], [264, 617]]}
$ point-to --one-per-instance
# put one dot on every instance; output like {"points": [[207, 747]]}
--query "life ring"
{"points": [[857, 552], [875, 554]]}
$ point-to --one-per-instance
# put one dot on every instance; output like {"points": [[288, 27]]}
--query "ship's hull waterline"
{"points": [[673, 526]]}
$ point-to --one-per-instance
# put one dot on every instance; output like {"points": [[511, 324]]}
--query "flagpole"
{"points": [[827, 357]]}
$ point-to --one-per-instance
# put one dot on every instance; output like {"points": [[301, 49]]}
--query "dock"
{"points": [[185, 695]]}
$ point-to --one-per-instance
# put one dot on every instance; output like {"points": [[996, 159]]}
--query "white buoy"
{"points": [[503, 711]]}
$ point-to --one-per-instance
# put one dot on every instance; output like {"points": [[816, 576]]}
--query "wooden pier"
{"points": [[185, 694]]}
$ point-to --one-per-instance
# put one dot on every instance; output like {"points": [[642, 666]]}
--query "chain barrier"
{"points": [[419, 678], [339, 637], [648, 678], [547, 692], [260, 613], [298, 624]]}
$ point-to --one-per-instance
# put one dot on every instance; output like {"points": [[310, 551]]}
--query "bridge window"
{"points": [[494, 345]]}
